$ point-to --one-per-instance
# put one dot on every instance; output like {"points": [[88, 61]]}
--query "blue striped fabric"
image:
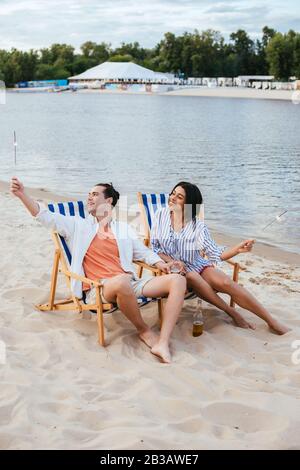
{"points": [[187, 245], [70, 209], [153, 202]]}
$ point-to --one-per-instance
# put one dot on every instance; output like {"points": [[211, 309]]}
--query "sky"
{"points": [[26, 24]]}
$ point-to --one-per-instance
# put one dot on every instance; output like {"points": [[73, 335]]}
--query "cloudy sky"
{"points": [[28, 24]]}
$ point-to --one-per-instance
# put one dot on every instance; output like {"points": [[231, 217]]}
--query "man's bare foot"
{"points": [[242, 323], [278, 328], [162, 352], [149, 338]]}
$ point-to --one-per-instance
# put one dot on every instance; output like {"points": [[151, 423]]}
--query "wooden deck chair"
{"points": [[149, 204], [62, 264]]}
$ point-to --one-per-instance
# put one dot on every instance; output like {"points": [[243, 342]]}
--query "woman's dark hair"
{"points": [[193, 200], [110, 191]]}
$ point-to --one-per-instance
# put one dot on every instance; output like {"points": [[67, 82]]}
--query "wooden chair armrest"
{"points": [[146, 241], [233, 264], [82, 278], [141, 264]]}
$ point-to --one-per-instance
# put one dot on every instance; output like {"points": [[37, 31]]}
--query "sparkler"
{"points": [[15, 148], [278, 218]]}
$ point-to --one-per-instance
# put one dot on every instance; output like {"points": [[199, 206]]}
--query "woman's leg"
{"points": [[222, 283], [201, 288], [174, 286]]}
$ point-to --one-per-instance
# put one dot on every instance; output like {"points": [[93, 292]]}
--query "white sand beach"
{"points": [[217, 92], [227, 389], [237, 92]]}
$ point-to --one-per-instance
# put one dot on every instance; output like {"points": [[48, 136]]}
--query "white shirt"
{"points": [[79, 233]]}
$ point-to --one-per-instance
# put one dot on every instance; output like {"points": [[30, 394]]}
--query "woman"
{"points": [[182, 239]]}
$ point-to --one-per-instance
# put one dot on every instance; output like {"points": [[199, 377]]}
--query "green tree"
{"points": [[134, 50], [95, 53], [121, 58], [296, 56], [244, 48], [280, 55]]}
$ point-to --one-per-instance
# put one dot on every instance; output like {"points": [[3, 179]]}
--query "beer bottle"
{"points": [[198, 320]]}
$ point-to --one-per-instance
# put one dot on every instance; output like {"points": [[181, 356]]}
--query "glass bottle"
{"points": [[198, 320]]}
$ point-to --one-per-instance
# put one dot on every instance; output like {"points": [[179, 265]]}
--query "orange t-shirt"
{"points": [[102, 259]]}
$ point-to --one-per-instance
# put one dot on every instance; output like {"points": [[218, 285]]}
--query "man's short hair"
{"points": [[110, 191]]}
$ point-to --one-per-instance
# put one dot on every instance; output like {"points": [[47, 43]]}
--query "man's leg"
{"points": [[118, 289], [174, 286]]}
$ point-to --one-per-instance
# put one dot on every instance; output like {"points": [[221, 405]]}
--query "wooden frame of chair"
{"points": [[235, 266], [74, 303]]}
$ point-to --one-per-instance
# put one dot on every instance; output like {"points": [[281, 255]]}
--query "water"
{"points": [[243, 154]]}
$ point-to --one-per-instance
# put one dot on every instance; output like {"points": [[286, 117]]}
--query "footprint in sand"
{"points": [[190, 425], [266, 281], [245, 418]]}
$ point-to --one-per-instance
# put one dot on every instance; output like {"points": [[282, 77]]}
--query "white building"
{"points": [[248, 80]]}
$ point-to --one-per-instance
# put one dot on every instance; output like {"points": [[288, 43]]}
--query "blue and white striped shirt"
{"points": [[189, 245]]}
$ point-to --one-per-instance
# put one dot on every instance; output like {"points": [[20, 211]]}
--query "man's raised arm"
{"points": [[17, 189], [64, 225]]}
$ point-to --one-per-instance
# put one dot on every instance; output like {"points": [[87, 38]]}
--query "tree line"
{"points": [[197, 54]]}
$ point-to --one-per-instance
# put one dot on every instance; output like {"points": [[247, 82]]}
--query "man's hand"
{"points": [[16, 187], [164, 267], [180, 266], [245, 246]]}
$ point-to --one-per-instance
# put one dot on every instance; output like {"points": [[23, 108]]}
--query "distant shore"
{"points": [[218, 92], [236, 92]]}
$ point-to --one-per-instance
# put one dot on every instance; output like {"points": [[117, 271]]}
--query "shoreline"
{"points": [[264, 250], [237, 92], [218, 92]]}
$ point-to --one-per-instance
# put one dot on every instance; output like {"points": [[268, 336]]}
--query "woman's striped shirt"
{"points": [[189, 245]]}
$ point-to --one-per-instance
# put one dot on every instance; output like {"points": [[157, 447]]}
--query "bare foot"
{"points": [[162, 352], [278, 328], [149, 338], [242, 323]]}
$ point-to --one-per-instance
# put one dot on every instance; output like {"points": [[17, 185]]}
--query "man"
{"points": [[103, 248]]}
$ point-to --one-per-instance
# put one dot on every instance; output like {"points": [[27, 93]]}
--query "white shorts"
{"points": [[137, 286]]}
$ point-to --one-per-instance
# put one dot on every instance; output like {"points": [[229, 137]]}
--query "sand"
{"points": [[238, 92], [218, 92], [227, 389]]}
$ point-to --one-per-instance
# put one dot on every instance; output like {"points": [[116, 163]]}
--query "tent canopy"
{"points": [[120, 70]]}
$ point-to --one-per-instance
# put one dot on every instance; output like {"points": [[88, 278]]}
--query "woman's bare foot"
{"points": [[278, 328], [149, 338], [241, 322], [162, 352]]}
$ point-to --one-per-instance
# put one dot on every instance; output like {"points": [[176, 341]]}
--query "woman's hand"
{"points": [[242, 247], [178, 265], [245, 246]]}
